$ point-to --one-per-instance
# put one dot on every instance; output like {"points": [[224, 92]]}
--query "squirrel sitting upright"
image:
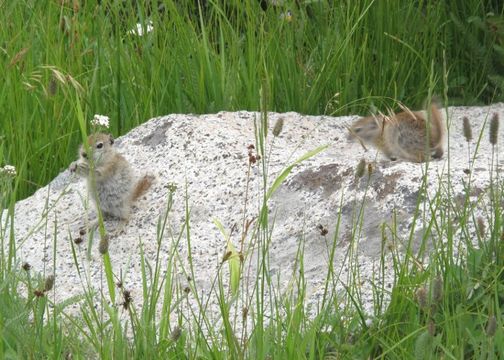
{"points": [[408, 135], [113, 187]]}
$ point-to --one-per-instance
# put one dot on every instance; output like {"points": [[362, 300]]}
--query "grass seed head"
{"points": [[359, 172], [103, 246], [175, 334], [127, 298], [278, 127], [323, 230], [26, 266], [49, 283], [494, 129], [431, 328], [437, 290], [467, 129], [491, 326], [421, 297], [252, 158], [227, 255], [52, 87], [244, 313], [481, 226]]}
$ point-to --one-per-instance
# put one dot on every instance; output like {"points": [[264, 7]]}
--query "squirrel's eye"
{"points": [[99, 145]]}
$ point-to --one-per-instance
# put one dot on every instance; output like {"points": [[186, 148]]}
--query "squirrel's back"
{"points": [[413, 136]]}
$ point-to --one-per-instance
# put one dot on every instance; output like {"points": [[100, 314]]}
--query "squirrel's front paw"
{"points": [[73, 167], [78, 167]]}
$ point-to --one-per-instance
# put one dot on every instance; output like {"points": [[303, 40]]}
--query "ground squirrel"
{"points": [[116, 185], [403, 135]]}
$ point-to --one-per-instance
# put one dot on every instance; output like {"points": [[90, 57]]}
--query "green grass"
{"points": [[238, 57], [449, 307], [330, 58]]}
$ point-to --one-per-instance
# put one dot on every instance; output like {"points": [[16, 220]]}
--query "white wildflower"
{"points": [[139, 29], [8, 170], [100, 120]]}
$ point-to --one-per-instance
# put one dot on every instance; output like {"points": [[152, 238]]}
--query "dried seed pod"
{"points": [[323, 230], [370, 169]]}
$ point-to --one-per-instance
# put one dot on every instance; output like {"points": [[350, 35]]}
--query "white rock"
{"points": [[208, 155]]}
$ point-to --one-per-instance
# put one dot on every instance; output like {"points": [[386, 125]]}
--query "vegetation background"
{"points": [[133, 60], [62, 61]]}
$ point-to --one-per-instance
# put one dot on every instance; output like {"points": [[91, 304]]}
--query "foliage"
{"points": [[134, 60], [321, 57]]}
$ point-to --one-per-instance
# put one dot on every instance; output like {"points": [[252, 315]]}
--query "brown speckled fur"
{"points": [[116, 188], [403, 135]]}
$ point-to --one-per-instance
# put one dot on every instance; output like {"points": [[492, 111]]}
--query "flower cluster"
{"points": [[8, 170], [100, 120]]}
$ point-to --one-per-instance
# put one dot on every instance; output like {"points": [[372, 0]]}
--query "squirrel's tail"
{"points": [[142, 186], [437, 129]]}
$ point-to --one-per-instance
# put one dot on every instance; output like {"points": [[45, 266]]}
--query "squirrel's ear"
{"points": [[111, 139]]}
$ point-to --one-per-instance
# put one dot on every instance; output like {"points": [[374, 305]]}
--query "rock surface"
{"points": [[206, 157]]}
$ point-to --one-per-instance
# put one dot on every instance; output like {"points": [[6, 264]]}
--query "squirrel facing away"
{"points": [[114, 186], [411, 136]]}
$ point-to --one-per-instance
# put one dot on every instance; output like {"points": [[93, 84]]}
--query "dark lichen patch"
{"points": [[346, 237], [386, 185], [348, 171], [156, 137], [411, 198], [326, 178]]}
